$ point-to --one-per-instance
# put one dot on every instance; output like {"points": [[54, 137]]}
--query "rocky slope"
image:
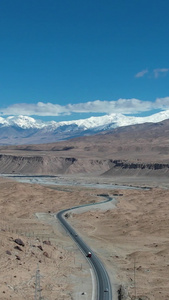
{"points": [[40, 165], [50, 165]]}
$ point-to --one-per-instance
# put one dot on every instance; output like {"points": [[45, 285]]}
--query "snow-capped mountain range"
{"points": [[27, 130]]}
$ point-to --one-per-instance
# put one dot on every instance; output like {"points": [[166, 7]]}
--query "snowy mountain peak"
{"points": [[41, 132], [24, 122], [116, 120]]}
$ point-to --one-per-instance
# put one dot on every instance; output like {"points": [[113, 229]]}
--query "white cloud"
{"points": [[162, 103], [156, 73], [159, 72], [141, 73], [124, 106], [39, 109]]}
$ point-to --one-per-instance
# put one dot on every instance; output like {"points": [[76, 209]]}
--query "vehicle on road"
{"points": [[89, 254]]}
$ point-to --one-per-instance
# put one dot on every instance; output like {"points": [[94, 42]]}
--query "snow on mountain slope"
{"points": [[3, 122], [113, 120], [22, 122], [26, 130]]}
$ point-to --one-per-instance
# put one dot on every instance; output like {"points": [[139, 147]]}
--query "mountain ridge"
{"points": [[135, 150], [27, 130]]}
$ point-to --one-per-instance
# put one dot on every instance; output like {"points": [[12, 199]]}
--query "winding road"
{"points": [[104, 289]]}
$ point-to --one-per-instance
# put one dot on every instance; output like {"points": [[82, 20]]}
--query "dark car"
{"points": [[89, 254]]}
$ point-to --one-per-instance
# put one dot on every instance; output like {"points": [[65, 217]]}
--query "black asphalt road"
{"points": [[104, 290]]}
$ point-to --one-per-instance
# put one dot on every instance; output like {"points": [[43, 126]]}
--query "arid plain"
{"points": [[130, 236]]}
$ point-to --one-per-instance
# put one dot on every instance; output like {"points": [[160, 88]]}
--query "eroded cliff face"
{"points": [[50, 165], [133, 165], [54, 165], [126, 168]]}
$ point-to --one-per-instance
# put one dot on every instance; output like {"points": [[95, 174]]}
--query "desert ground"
{"points": [[131, 237]]}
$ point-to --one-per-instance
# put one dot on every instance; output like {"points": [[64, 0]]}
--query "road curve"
{"points": [[104, 289]]}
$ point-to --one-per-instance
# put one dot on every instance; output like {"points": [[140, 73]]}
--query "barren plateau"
{"points": [[38, 259], [131, 239]]}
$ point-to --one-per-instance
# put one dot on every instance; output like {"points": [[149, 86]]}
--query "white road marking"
{"points": [[93, 284]]}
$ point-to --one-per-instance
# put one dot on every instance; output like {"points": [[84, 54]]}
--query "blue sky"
{"points": [[63, 59]]}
